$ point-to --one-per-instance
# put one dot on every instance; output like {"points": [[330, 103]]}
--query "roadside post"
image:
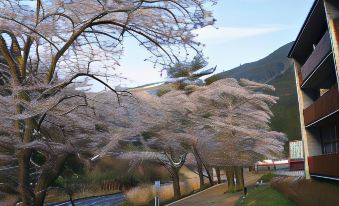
{"points": [[157, 192]]}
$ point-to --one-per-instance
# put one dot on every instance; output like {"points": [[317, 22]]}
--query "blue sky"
{"points": [[248, 30]]}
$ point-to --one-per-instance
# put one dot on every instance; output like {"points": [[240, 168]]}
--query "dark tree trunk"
{"points": [[24, 156], [217, 170], [239, 175], [230, 178], [176, 183], [173, 168], [47, 177], [200, 171], [251, 169], [210, 178], [23, 177], [71, 199], [197, 156]]}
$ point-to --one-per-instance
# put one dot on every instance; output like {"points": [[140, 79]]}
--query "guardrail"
{"points": [[318, 55]]}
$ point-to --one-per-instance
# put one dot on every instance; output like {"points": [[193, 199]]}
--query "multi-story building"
{"points": [[316, 61]]}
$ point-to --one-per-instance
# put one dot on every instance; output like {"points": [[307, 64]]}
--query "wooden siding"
{"points": [[324, 165], [325, 105]]}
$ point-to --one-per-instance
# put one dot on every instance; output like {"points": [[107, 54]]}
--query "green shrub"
{"points": [[162, 92], [212, 79], [268, 177], [101, 128]]}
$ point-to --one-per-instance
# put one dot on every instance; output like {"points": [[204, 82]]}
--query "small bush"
{"points": [[101, 128], [268, 177], [212, 79], [162, 92]]}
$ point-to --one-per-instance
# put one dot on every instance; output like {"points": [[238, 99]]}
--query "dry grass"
{"points": [[307, 192], [189, 186], [140, 195], [166, 193], [143, 194]]}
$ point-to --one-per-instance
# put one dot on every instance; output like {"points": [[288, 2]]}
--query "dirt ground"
{"points": [[216, 196]]}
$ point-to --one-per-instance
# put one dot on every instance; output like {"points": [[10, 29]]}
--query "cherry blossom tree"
{"points": [[240, 114], [229, 113], [225, 124], [48, 51], [142, 118]]}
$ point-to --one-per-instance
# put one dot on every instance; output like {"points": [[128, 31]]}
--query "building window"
{"points": [[330, 139]]}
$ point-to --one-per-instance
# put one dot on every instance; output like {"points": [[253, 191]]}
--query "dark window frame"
{"points": [[330, 143]]}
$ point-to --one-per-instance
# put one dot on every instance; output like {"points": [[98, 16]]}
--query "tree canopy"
{"points": [[48, 52], [222, 124]]}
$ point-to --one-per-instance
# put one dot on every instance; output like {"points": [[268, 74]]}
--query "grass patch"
{"points": [[264, 196]]}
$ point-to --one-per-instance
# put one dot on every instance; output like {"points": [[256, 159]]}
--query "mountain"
{"points": [[275, 69], [264, 70]]}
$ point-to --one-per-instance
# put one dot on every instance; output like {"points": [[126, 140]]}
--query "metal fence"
{"points": [[299, 173]]}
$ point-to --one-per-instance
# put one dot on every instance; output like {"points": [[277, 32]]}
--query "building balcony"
{"points": [[318, 56], [324, 166], [323, 107]]}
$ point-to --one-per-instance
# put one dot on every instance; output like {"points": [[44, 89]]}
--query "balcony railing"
{"points": [[325, 105], [324, 165], [318, 55]]}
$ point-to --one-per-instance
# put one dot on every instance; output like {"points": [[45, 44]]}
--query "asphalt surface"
{"points": [[108, 200]]}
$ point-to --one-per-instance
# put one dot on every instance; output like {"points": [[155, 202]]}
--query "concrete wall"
{"points": [[332, 15], [297, 68]]}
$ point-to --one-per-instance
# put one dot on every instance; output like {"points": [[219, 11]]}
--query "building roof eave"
{"points": [[303, 27]]}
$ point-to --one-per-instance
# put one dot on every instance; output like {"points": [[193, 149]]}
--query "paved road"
{"points": [[109, 200]]}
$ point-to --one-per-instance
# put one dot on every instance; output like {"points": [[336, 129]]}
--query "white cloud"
{"points": [[211, 34]]}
